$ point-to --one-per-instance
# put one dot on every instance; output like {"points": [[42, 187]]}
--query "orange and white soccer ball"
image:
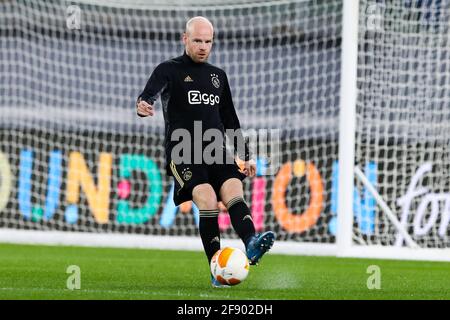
{"points": [[229, 266]]}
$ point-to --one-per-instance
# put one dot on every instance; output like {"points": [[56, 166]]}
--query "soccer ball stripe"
{"points": [[224, 256]]}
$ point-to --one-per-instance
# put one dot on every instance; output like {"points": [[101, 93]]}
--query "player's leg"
{"points": [[232, 196], [191, 183], [205, 199], [231, 193]]}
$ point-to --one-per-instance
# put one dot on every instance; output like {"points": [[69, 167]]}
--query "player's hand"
{"points": [[144, 108], [250, 168]]}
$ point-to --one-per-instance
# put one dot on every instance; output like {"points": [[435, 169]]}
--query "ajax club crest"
{"points": [[187, 174], [215, 80]]}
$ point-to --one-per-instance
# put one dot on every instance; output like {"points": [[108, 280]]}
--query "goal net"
{"points": [[402, 121], [75, 159]]}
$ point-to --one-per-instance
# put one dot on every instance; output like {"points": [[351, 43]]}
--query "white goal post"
{"points": [[360, 91]]}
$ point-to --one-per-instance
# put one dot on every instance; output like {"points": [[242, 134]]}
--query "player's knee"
{"points": [[204, 196], [231, 188]]}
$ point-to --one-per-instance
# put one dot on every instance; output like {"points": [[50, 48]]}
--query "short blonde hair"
{"points": [[197, 19]]}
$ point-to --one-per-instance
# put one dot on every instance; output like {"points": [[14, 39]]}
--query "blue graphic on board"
{"points": [[363, 208], [170, 210], [53, 186]]}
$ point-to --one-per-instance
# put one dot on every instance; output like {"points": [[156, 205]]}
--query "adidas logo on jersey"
{"points": [[188, 79]]}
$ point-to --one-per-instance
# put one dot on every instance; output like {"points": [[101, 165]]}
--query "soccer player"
{"points": [[195, 95]]}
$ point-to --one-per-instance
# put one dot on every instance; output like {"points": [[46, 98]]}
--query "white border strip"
{"points": [[147, 242], [404, 253], [114, 240]]}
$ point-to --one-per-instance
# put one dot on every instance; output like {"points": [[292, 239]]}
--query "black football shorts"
{"points": [[187, 176]]}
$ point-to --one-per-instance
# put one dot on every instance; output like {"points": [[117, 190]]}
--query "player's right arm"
{"points": [[143, 108], [155, 85]]}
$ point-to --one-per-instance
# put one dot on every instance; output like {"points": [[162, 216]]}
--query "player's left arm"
{"points": [[230, 120]]}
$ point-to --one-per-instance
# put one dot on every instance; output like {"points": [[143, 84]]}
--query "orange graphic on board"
{"points": [[79, 177], [294, 222]]}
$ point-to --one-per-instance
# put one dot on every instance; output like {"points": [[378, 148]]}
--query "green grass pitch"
{"points": [[39, 272]]}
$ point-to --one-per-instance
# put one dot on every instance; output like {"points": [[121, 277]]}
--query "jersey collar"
{"points": [[188, 59]]}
